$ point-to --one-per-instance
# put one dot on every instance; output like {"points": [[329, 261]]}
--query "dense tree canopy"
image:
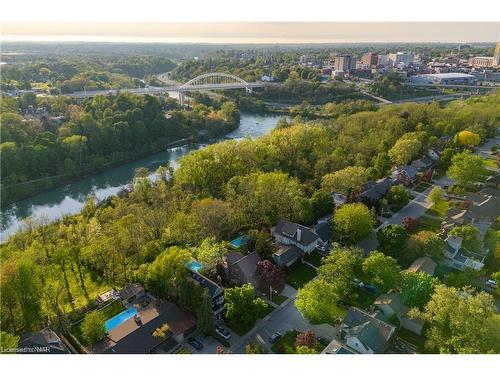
{"points": [[461, 322], [52, 270]]}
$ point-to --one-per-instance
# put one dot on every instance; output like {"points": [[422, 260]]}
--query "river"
{"points": [[70, 198]]}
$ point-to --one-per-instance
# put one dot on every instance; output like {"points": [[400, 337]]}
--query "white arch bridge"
{"points": [[204, 82]]}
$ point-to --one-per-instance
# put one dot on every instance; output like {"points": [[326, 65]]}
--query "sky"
{"points": [[255, 21]]}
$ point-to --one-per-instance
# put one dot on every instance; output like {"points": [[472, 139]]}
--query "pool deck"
{"points": [[132, 338], [147, 313]]}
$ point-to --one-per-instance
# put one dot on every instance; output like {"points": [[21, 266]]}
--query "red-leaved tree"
{"points": [[307, 338], [409, 223], [268, 275]]}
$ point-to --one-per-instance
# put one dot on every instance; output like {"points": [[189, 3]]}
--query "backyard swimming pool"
{"points": [[116, 320], [194, 265], [239, 242]]}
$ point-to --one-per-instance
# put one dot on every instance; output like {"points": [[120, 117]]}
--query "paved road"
{"points": [[283, 319], [415, 208]]}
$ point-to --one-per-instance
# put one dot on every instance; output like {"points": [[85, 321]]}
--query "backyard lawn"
{"points": [[314, 258], [109, 311], [299, 274], [427, 223], [422, 187], [439, 209], [490, 163]]}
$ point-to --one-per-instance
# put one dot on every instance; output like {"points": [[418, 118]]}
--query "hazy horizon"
{"points": [[254, 32]]}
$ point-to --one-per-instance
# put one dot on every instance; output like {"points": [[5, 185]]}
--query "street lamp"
{"points": [[271, 290]]}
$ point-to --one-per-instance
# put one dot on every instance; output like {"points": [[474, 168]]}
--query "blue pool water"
{"points": [[194, 265], [116, 320], [239, 242]]}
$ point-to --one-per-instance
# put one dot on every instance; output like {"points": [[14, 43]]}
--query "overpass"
{"points": [[438, 85], [204, 82]]}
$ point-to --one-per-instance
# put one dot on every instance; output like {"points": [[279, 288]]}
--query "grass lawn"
{"points": [[490, 163], [337, 313], [299, 274], [427, 223], [109, 311], [285, 345], [279, 299], [314, 258], [422, 187], [362, 298], [439, 209]]}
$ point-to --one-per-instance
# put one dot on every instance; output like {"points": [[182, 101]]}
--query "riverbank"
{"points": [[69, 198], [51, 182]]}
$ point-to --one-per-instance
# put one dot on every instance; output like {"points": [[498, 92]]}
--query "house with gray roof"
{"points": [[457, 257], [240, 269], [45, 341], [132, 292], [405, 174], [132, 337], [391, 304], [365, 333], [215, 291], [293, 241], [337, 347], [286, 255], [422, 164], [374, 191]]}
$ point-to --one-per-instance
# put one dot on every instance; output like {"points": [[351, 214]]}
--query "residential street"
{"points": [[282, 319], [415, 208]]}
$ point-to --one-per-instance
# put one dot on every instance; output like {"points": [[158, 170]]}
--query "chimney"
{"points": [[299, 234]]}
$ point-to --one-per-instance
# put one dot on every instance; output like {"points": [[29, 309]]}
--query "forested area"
{"points": [[93, 135], [67, 74], [51, 272]]}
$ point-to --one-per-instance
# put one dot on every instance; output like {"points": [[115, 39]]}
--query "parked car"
{"points": [[274, 337], [195, 343], [491, 283], [223, 332]]}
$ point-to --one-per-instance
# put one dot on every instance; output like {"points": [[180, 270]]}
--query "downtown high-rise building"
{"points": [[496, 55], [345, 63]]}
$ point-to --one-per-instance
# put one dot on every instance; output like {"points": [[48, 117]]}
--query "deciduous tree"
{"points": [[417, 288], [404, 151], [381, 271], [93, 329], [268, 275], [461, 321], [466, 169], [353, 222]]}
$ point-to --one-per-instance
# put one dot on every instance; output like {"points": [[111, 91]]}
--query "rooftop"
{"points": [[449, 75], [136, 338], [370, 330], [423, 264], [299, 233]]}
